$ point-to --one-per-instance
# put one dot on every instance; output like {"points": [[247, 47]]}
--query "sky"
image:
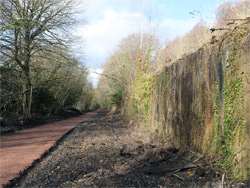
{"points": [[107, 22]]}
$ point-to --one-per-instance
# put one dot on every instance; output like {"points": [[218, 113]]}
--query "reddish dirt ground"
{"points": [[18, 151], [112, 112]]}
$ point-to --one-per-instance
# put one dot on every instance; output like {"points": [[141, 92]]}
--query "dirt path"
{"points": [[19, 150], [105, 152]]}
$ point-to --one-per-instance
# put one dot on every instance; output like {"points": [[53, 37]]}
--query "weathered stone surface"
{"points": [[203, 101]]}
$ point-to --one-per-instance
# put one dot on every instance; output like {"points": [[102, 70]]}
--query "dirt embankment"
{"points": [[105, 152]]}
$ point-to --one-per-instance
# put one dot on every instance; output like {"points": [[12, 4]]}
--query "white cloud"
{"points": [[94, 75], [110, 21], [103, 35]]}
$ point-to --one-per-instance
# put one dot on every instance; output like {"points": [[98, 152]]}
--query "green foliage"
{"points": [[73, 97], [116, 98], [124, 72], [224, 141], [140, 97], [95, 106], [11, 90], [216, 132], [43, 101]]}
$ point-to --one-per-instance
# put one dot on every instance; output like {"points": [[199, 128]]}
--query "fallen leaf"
{"points": [[190, 174]]}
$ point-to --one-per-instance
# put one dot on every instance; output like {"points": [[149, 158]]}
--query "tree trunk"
{"points": [[27, 88], [27, 93]]}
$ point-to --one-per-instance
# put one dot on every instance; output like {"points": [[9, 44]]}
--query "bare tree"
{"points": [[121, 69], [28, 27]]}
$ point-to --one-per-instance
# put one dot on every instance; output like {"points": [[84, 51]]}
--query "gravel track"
{"points": [[106, 152]]}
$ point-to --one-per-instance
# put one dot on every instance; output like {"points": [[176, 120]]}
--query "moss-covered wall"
{"points": [[203, 101]]}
